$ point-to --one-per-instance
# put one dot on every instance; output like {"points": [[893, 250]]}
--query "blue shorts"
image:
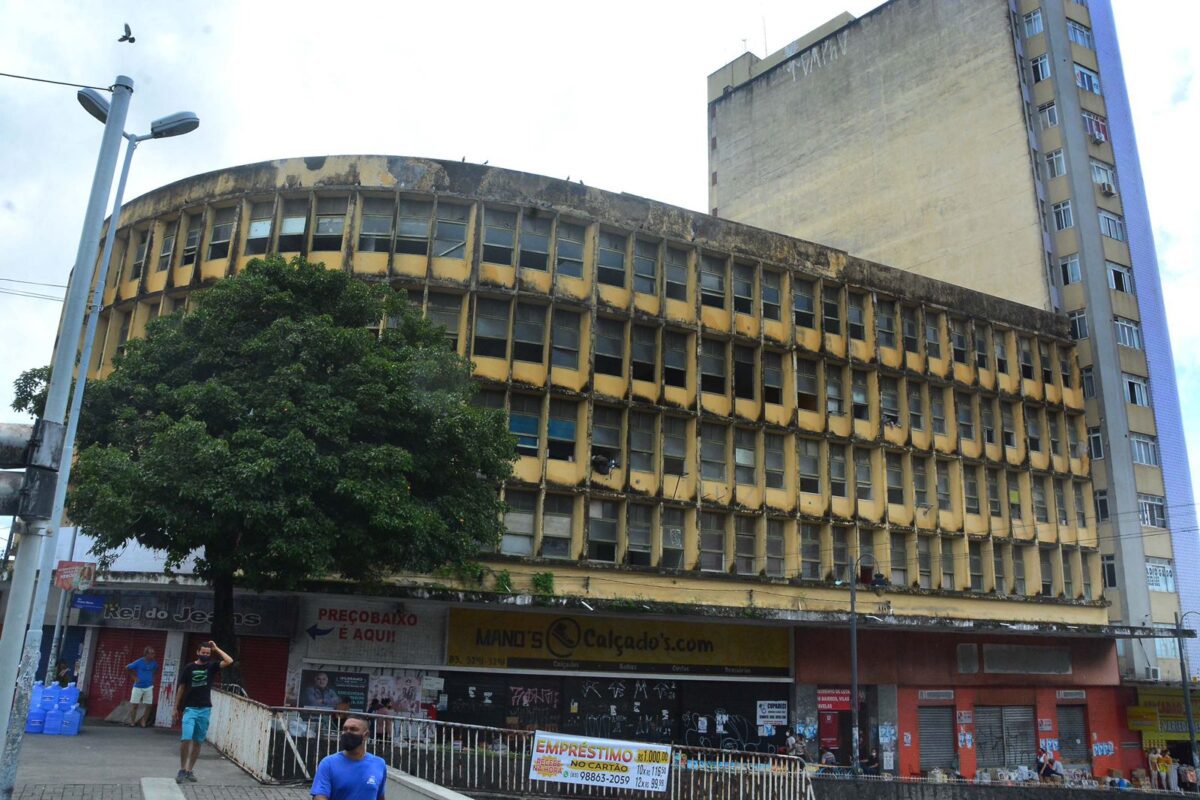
{"points": [[195, 724]]}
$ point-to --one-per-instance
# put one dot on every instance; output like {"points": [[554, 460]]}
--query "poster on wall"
{"points": [[335, 690], [587, 761], [338, 630]]}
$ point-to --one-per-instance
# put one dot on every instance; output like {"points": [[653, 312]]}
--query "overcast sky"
{"points": [[613, 93]]}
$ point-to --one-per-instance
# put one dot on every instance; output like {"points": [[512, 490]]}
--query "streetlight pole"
{"points": [[854, 734], [1185, 679]]}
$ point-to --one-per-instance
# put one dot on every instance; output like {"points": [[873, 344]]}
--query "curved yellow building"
{"points": [[706, 412]]}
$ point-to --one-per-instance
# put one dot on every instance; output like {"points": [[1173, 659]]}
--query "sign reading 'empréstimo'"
{"points": [[495, 639], [600, 762]]}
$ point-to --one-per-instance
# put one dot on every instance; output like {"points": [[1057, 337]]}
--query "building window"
{"points": [[641, 441], [518, 523], [564, 339], [958, 341], [712, 452], [933, 335], [1100, 496], [1033, 23], [712, 541], [1012, 484], [606, 433], [943, 486], [770, 294], [1025, 357], [1033, 428], [1078, 324], [561, 430], [672, 524], [610, 259], [898, 555], [450, 236], [412, 228], [645, 267], [993, 492], [675, 445], [1087, 80], [1055, 432], [937, 408], [1060, 502], [1040, 67], [375, 230], [1129, 333], [831, 306], [774, 548], [1120, 277], [1095, 443], [1056, 164], [529, 333], [745, 456], [860, 403], [499, 235], [948, 565], [773, 459], [1104, 176], [1088, 380], [772, 377], [803, 304], [712, 366], [987, 415], [910, 330], [558, 521], [1048, 115], [895, 478], [568, 249], [676, 274], [856, 316], [1047, 571], [1073, 437], [745, 381], [1096, 127], [975, 563], [1145, 449], [642, 353], [1152, 510], [675, 358], [1008, 425], [712, 281], [810, 466], [331, 224], [1041, 511], [999, 583], [889, 395], [1160, 575], [745, 542], [524, 422], [743, 288], [291, 227], [139, 254], [1080, 514], [1000, 342], [1018, 570], [1048, 365], [1167, 649], [1137, 390], [1108, 570], [491, 328], [837, 470], [810, 552], [1112, 226], [841, 553], [862, 474], [806, 385], [966, 416], [535, 241], [166, 250], [602, 530], [258, 236], [222, 230], [1080, 34], [1069, 266], [971, 489], [1063, 218], [610, 346], [925, 562], [920, 483], [834, 396], [916, 407], [638, 525], [446, 310]]}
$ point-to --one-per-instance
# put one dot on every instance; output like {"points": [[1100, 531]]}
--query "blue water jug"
{"points": [[36, 700], [52, 723], [72, 719], [36, 720], [50, 696], [68, 696]]}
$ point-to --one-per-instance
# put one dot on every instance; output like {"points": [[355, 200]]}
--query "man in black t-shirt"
{"points": [[193, 694]]}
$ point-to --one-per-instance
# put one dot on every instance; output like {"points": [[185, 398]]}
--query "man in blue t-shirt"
{"points": [[142, 697], [352, 774]]}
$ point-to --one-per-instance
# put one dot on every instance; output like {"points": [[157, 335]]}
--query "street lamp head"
{"points": [[175, 124], [94, 103]]}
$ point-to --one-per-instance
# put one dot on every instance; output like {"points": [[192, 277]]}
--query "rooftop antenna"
{"points": [[766, 51], [745, 47]]}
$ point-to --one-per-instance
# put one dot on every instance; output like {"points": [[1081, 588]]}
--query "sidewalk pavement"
{"points": [[108, 762]]}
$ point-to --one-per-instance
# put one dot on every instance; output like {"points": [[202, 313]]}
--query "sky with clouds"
{"points": [[612, 93]]}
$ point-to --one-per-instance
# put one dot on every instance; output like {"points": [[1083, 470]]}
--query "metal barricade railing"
{"points": [[240, 730], [481, 760]]}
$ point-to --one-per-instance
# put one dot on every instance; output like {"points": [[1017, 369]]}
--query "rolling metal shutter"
{"points": [[989, 736], [1072, 735], [1005, 736], [109, 683], [935, 731]]}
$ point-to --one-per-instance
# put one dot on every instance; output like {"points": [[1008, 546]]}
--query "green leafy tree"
{"points": [[29, 391], [275, 436]]}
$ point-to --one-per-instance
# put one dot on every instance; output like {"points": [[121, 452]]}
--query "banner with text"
{"points": [[342, 630], [497, 639], [600, 762]]}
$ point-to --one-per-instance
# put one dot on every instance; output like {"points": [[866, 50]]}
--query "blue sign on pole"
{"points": [[88, 602]]}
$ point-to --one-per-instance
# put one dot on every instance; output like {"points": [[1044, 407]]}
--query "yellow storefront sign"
{"points": [[497, 639], [1167, 705], [1142, 718]]}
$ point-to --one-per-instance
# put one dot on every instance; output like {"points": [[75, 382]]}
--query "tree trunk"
{"points": [[223, 628]]}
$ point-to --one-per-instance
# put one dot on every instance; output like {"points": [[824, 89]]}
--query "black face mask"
{"points": [[203, 659], [350, 741]]}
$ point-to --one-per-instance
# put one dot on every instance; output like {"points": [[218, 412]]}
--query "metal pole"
{"points": [[42, 593], [1184, 678], [12, 718], [60, 617], [854, 667]]}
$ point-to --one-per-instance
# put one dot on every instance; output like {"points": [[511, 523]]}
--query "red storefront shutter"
{"points": [[109, 684]]}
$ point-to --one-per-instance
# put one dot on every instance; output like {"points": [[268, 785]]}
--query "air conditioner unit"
{"points": [[1108, 189], [1152, 673], [1098, 138]]}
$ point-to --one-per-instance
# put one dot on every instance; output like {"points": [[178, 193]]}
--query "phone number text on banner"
{"points": [[600, 762]]}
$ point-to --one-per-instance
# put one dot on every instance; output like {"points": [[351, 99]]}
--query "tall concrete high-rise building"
{"points": [[989, 143]]}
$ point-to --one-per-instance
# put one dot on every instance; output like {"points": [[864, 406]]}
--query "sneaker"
{"points": [[190, 777], [181, 776]]}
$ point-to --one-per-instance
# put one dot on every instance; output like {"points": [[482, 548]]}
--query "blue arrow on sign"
{"points": [[314, 631]]}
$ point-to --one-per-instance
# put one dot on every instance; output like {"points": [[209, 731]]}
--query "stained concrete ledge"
{"points": [[900, 790]]}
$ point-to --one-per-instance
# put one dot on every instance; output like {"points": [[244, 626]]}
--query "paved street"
{"points": [[108, 762]]}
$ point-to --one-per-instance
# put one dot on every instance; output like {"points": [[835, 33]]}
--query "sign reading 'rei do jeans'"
{"points": [[600, 762]]}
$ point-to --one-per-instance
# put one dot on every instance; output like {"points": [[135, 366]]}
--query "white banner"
{"points": [[600, 762], [349, 631]]}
